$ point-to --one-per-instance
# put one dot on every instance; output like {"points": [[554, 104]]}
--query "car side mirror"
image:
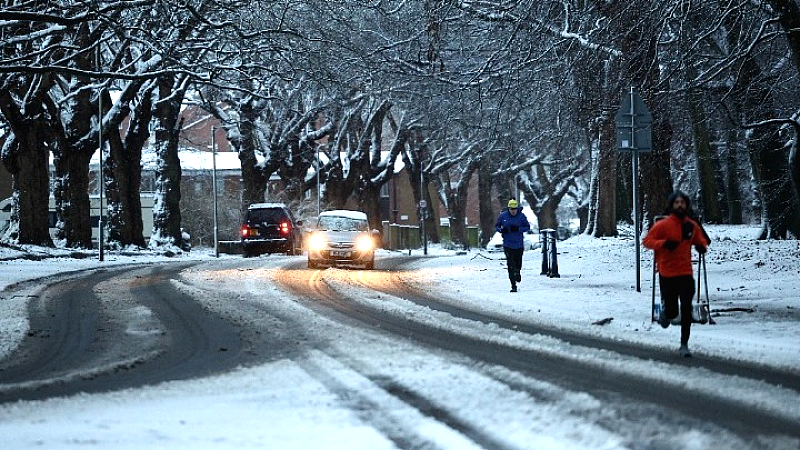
{"points": [[299, 223]]}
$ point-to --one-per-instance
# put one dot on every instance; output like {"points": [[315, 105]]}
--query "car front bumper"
{"points": [[341, 257]]}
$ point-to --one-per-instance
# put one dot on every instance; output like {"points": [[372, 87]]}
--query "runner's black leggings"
{"points": [[513, 262], [672, 289]]}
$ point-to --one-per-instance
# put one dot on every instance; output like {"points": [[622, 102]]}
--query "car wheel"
{"points": [[312, 264], [370, 265]]}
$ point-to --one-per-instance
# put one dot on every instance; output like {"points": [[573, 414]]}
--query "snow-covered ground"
{"points": [[598, 281], [753, 285]]}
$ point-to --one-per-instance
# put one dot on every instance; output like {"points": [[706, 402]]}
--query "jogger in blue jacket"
{"points": [[512, 225]]}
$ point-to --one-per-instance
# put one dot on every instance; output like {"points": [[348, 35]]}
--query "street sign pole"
{"points": [[635, 163], [633, 134]]}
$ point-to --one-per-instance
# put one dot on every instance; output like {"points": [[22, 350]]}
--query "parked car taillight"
{"points": [[246, 231], [284, 227]]}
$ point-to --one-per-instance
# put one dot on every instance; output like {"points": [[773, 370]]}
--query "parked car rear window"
{"points": [[266, 215]]}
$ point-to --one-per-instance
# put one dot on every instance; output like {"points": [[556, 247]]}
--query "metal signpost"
{"points": [[634, 135]]}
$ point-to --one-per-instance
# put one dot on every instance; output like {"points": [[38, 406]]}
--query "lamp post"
{"points": [[423, 204], [101, 234], [214, 189]]}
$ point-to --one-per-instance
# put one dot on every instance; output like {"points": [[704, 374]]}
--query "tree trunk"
{"points": [[336, 193], [123, 172], [429, 218], [790, 22], [709, 202], [732, 186], [33, 181], [754, 98], [166, 210], [73, 145], [432, 215], [486, 210], [457, 213], [655, 179], [624, 194], [546, 214], [254, 180], [457, 203], [603, 214], [25, 157], [780, 208], [371, 205], [76, 206], [794, 165]]}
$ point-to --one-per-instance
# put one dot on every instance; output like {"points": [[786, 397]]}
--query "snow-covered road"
{"points": [[357, 359]]}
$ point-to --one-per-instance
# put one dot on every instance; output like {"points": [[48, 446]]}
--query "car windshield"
{"points": [[336, 223]]}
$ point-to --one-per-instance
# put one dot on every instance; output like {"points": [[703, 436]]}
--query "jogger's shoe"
{"points": [[513, 288], [684, 351], [663, 320]]}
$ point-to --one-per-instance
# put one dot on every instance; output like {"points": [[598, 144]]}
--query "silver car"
{"points": [[342, 238]]}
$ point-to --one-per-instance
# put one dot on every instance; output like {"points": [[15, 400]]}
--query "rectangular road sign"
{"points": [[643, 140], [633, 122]]}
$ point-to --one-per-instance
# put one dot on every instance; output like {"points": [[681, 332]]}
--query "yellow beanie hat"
{"points": [[513, 204]]}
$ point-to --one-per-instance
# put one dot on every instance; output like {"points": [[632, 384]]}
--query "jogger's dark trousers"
{"points": [[672, 289], [513, 262]]}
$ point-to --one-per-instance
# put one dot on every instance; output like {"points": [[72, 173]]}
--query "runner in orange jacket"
{"points": [[672, 240]]}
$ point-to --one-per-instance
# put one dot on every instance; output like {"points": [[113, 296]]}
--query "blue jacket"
{"points": [[512, 239]]}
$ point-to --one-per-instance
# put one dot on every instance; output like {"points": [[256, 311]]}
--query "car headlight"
{"points": [[317, 242], [364, 244]]}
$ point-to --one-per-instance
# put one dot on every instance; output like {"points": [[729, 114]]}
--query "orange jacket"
{"points": [[678, 262]]}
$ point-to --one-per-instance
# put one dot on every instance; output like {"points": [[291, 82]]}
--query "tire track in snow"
{"points": [[747, 421]]}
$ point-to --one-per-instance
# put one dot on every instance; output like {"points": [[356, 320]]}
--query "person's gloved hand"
{"points": [[700, 249], [671, 245], [503, 230], [513, 228], [688, 229]]}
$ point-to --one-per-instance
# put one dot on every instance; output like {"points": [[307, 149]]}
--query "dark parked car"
{"points": [[271, 228]]}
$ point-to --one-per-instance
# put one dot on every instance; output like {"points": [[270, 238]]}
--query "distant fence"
{"points": [[405, 237], [230, 247]]}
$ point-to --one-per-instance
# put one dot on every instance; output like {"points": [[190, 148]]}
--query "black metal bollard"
{"points": [[545, 263], [548, 238], [553, 256]]}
